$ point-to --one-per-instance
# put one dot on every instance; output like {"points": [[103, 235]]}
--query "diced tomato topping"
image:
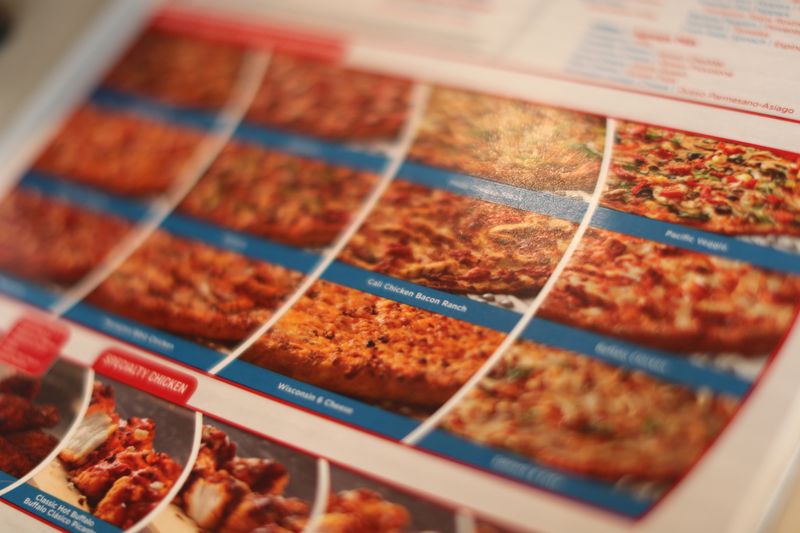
{"points": [[730, 149], [699, 165], [774, 200], [674, 194], [638, 187], [751, 183], [663, 153], [731, 179], [638, 130], [718, 173], [705, 192], [680, 170], [783, 216], [624, 173], [691, 182]]}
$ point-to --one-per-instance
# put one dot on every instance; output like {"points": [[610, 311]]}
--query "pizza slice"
{"points": [[713, 185], [327, 100], [577, 414], [178, 69], [670, 298], [289, 199], [510, 141], [372, 348], [119, 152], [190, 288], [46, 239], [458, 244]]}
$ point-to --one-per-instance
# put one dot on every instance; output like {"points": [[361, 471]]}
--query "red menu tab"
{"points": [[150, 377], [32, 345]]}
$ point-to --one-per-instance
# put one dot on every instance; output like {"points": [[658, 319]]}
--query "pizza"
{"points": [[119, 152], [330, 101], [190, 288], [670, 298], [375, 349], [458, 244], [49, 240], [713, 185], [179, 70], [583, 416], [283, 197], [510, 141]]}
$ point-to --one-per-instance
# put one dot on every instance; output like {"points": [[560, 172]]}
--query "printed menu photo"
{"points": [[602, 433], [241, 482], [712, 185], [121, 462], [37, 414], [423, 293], [360, 505], [638, 358], [83, 197]]}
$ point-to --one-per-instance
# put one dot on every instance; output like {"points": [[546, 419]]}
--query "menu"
{"points": [[269, 275]]}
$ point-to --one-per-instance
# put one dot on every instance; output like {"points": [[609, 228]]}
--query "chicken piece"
{"points": [[219, 444], [35, 444], [17, 413], [131, 497], [363, 511], [103, 400], [258, 510], [97, 479], [12, 460], [134, 433], [95, 429], [208, 498], [20, 385], [264, 476]]}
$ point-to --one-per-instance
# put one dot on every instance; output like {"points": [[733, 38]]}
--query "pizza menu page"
{"points": [[252, 281]]}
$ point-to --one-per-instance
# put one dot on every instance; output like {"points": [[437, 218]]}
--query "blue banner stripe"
{"points": [[6, 479], [698, 241], [513, 466], [279, 254], [439, 302], [122, 101], [56, 511], [542, 202], [28, 291], [303, 146], [319, 400], [619, 353], [88, 197], [148, 338]]}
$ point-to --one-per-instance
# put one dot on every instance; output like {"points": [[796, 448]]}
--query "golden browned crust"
{"points": [[372, 348], [578, 414], [671, 298], [324, 99], [696, 181], [510, 141], [190, 288], [458, 244], [119, 152], [45, 239], [178, 70], [289, 199]]}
